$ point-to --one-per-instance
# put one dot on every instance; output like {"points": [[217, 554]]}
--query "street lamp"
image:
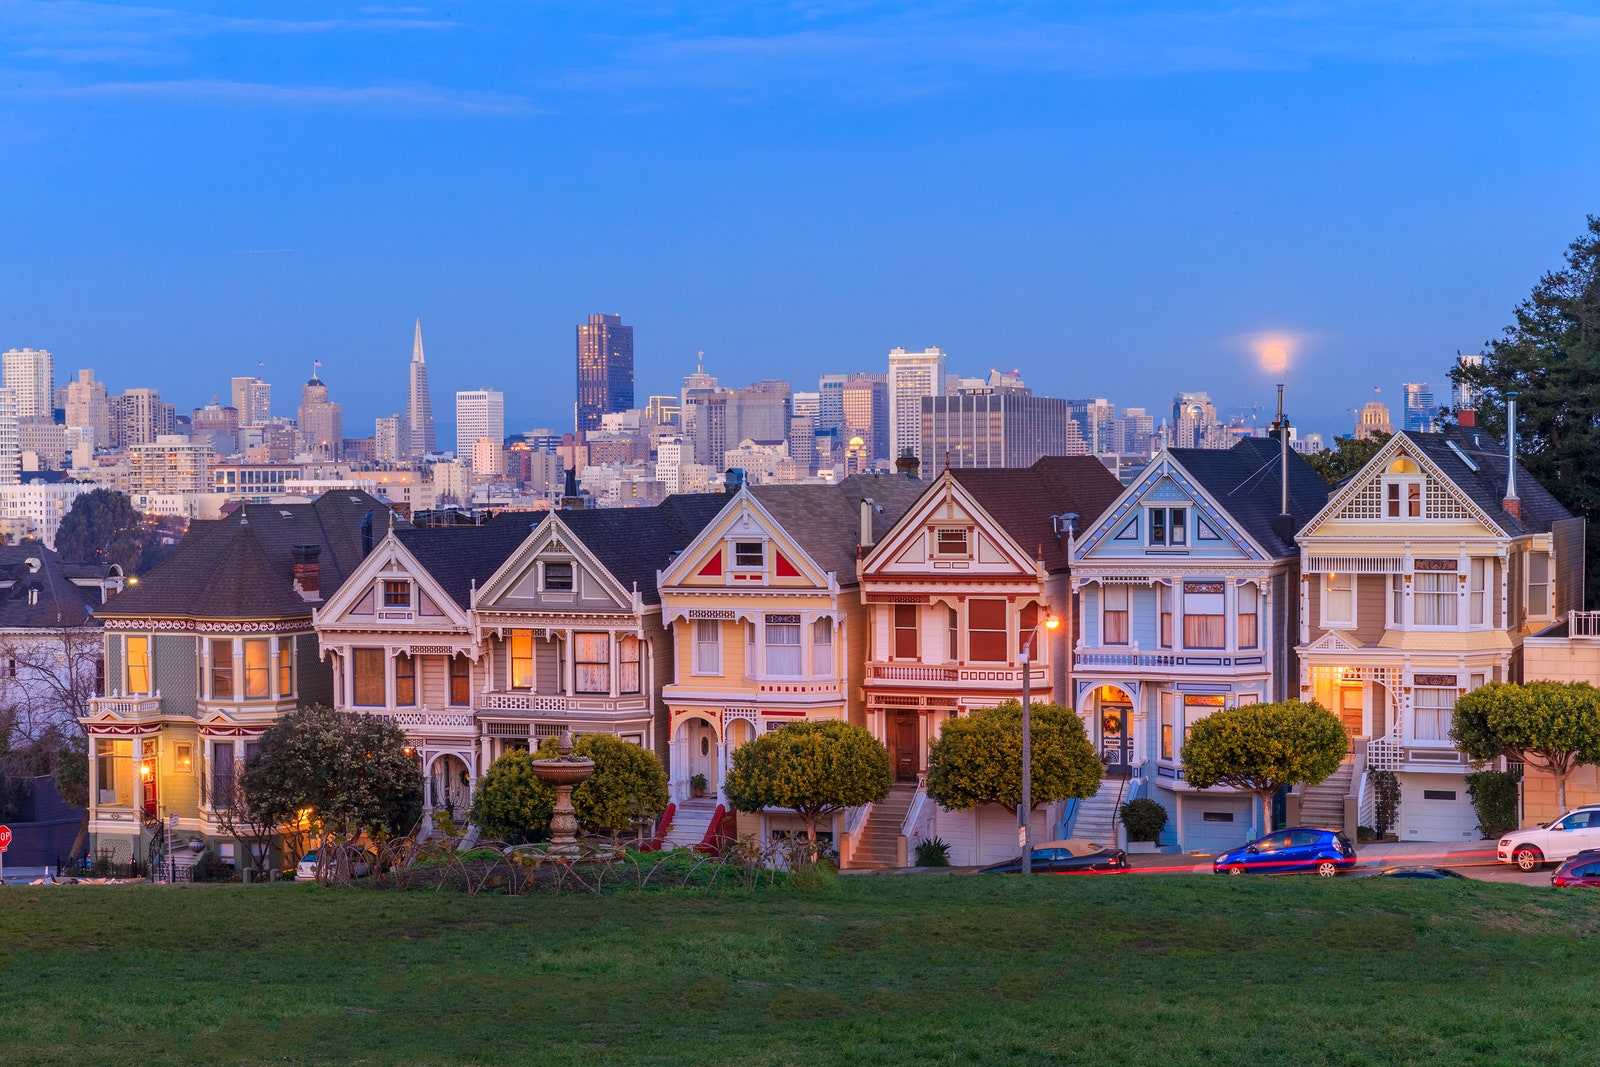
{"points": [[1024, 830]]}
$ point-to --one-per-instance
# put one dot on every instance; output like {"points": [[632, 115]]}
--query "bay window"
{"points": [[405, 680], [953, 627], [1203, 617], [591, 662], [1477, 591], [783, 646], [1164, 598], [1433, 708], [986, 631], [1249, 613], [1114, 614], [1538, 583], [138, 665], [1433, 598], [460, 680], [522, 659], [628, 665], [257, 668], [822, 648], [285, 666], [222, 668]]}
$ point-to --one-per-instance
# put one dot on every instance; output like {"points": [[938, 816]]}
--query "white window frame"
{"points": [[1405, 483], [1447, 599], [1530, 585], [733, 556], [1441, 716], [706, 655], [822, 650], [965, 551], [1328, 619], [793, 651], [1106, 592], [1479, 569]]}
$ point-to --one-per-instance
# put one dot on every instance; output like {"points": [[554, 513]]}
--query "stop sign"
{"points": [[5, 838]]}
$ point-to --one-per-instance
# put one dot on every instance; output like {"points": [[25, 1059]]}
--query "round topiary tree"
{"points": [[977, 758], [628, 786], [812, 768], [1551, 726], [1261, 748], [1144, 819]]}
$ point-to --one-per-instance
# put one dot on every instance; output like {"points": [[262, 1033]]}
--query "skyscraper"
{"points": [[252, 399], [419, 406], [10, 446], [1421, 407], [138, 416], [321, 420], [88, 409], [865, 401], [391, 439], [479, 413], [999, 424], [30, 373], [605, 369], [912, 376]]}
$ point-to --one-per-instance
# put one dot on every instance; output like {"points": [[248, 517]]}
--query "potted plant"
{"points": [[1144, 819], [697, 785]]}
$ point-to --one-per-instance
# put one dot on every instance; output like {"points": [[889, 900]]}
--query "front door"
{"points": [[1116, 741], [904, 747], [1350, 709]]}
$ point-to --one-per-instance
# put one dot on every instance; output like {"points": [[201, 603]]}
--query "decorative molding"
{"points": [[255, 626]]}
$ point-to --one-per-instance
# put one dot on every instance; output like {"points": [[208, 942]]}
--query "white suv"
{"points": [[1559, 840]]}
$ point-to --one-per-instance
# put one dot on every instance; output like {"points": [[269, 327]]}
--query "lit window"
{"points": [[138, 665], [522, 659], [257, 668], [285, 666], [1115, 614]]}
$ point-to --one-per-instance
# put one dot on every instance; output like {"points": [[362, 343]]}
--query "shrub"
{"points": [[1494, 797], [698, 782], [933, 852], [1145, 819], [812, 768], [977, 758], [628, 785], [1386, 801]]}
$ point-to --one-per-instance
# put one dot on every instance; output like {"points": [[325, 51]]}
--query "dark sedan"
{"points": [[1067, 857], [1420, 872]]}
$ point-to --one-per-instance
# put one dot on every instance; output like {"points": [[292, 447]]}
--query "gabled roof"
{"points": [[825, 520], [459, 557], [1247, 482], [1023, 499], [1486, 486], [242, 566], [57, 602]]}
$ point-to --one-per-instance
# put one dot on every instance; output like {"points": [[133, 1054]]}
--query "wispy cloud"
{"points": [[408, 98]]}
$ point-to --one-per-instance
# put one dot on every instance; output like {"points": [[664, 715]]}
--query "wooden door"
{"points": [[1116, 741], [1350, 709], [904, 747]]}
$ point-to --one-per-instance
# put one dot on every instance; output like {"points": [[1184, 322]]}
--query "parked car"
{"points": [[1066, 857], [1297, 849], [306, 869], [1562, 839], [1581, 870], [1421, 872]]}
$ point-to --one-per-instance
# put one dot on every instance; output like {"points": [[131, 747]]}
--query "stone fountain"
{"points": [[566, 772]]}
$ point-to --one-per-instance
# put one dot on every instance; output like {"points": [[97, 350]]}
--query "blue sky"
{"points": [[1114, 198]]}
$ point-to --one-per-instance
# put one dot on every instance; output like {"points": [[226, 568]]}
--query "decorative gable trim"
{"points": [[705, 556], [1165, 475], [356, 602], [1361, 497], [551, 536], [1332, 641], [935, 508]]}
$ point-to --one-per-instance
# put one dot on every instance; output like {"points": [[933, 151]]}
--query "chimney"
{"points": [[1283, 525], [908, 465], [866, 522], [571, 499], [1511, 503], [1466, 417], [308, 571]]}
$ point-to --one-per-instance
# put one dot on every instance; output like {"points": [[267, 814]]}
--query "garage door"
{"points": [[1436, 807], [1214, 824]]}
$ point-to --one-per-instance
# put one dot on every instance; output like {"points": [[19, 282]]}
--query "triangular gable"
{"points": [[908, 547], [1164, 481], [1361, 498], [708, 562], [1332, 641], [356, 601], [514, 587]]}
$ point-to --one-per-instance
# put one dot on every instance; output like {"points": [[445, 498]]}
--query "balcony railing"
{"points": [[534, 703], [130, 707], [461, 718], [1184, 661], [966, 675], [1583, 624]]}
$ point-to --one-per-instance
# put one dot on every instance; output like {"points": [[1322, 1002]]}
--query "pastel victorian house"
{"points": [[1419, 581], [767, 622], [953, 596], [205, 653], [1188, 593], [480, 640]]}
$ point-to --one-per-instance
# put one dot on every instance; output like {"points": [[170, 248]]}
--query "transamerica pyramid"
{"points": [[419, 407]]}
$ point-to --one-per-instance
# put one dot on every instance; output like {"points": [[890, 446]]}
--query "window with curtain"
{"points": [[1477, 591], [953, 625], [397, 594], [629, 658], [222, 668], [1164, 595], [905, 631], [1433, 710], [222, 774], [707, 646], [1203, 617], [1339, 600], [1249, 616], [1114, 614], [138, 665], [257, 668], [1169, 715], [405, 680], [460, 680], [783, 646], [986, 631], [1538, 583], [522, 659], [822, 648], [1433, 598], [367, 665], [1397, 600], [285, 666], [591, 660]]}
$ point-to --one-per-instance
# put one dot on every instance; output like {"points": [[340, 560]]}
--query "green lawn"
{"points": [[1158, 969]]}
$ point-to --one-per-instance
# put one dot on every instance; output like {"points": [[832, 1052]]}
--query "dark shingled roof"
{"points": [[241, 567], [1247, 481], [825, 520], [1023, 499], [59, 602], [1487, 485], [459, 557]]}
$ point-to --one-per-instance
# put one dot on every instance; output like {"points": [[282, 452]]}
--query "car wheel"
{"points": [[1235, 869], [1527, 859], [1327, 868]]}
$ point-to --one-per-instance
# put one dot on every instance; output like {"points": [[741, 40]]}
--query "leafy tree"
{"points": [[977, 758], [814, 768], [348, 774], [1262, 748], [102, 526], [628, 786], [1551, 357], [1348, 455], [1554, 726]]}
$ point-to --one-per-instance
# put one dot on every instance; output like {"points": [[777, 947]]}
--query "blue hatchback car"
{"points": [[1296, 850]]}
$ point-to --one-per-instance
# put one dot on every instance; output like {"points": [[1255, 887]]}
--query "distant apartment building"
{"points": [[139, 416], [716, 419], [30, 373], [605, 369], [253, 481], [321, 420], [217, 425], [912, 376], [252, 399], [35, 508], [10, 448], [42, 443], [479, 413], [1133, 433], [1195, 425], [391, 439], [87, 407], [995, 425], [170, 464]]}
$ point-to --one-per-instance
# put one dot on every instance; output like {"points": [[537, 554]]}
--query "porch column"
{"points": [[924, 735], [388, 678], [94, 775], [205, 669], [485, 754], [569, 673], [723, 754], [616, 660], [238, 669], [347, 674]]}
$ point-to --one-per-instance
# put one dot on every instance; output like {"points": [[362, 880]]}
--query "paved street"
{"points": [[1474, 859]]}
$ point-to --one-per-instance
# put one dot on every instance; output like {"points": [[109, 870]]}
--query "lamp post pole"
{"points": [[1025, 809]]}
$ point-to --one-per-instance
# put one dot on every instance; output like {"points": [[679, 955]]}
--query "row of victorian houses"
{"points": [[1217, 578]]}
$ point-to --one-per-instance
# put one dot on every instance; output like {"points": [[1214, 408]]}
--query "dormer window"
{"points": [[749, 555], [952, 541], [1402, 490], [557, 577], [396, 594], [1169, 526]]}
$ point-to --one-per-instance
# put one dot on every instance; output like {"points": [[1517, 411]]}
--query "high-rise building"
{"points": [[830, 403], [87, 408], [716, 420], [479, 413], [419, 405], [252, 399], [391, 439], [912, 376], [1195, 425], [217, 424], [1372, 420], [1421, 405], [865, 400], [997, 425], [1096, 422], [1134, 433], [10, 448], [169, 464], [139, 416], [605, 369], [30, 373], [321, 420]]}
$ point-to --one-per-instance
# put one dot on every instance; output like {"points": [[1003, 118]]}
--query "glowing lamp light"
{"points": [[144, 770], [1052, 622]]}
